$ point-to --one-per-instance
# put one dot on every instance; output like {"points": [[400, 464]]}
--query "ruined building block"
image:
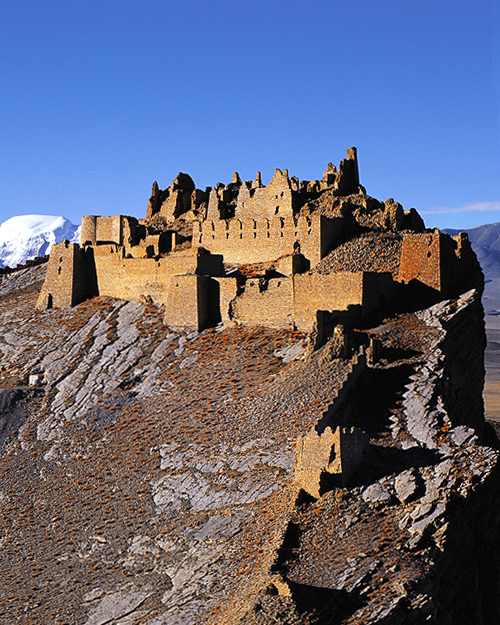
{"points": [[133, 278], [119, 229], [328, 459], [67, 282], [265, 239], [224, 290], [187, 302], [337, 292], [421, 259], [271, 301]]}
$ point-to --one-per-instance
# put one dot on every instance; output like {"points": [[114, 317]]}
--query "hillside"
{"points": [[149, 479], [258, 405]]}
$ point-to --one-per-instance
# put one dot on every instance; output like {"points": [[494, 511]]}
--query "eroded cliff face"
{"points": [[150, 477]]}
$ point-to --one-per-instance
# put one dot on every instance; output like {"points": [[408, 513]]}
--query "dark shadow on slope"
{"points": [[369, 407], [13, 413], [325, 606], [381, 461]]}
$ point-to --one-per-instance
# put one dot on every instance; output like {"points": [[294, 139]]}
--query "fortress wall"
{"points": [[272, 307], [133, 278], [224, 290], [421, 259], [118, 229], [245, 241], [314, 460], [274, 200], [459, 265], [67, 281], [88, 233], [109, 229], [187, 302], [313, 292], [378, 290]]}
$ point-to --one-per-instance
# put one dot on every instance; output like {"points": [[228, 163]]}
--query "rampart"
{"points": [[439, 261], [266, 239], [329, 454], [68, 280], [277, 233], [293, 302]]}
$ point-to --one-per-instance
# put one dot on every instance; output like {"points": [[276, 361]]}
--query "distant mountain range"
{"points": [[485, 242], [27, 236]]}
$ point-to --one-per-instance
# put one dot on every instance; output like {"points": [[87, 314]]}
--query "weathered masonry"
{"points": [[247, 253]]}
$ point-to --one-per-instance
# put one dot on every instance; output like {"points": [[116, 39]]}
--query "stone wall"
{"points": [[446, 264], [421, 259], [134, 278], [266, 239], [67, 281], [187, 302], [268, 303], [277, 199], [329, 459]]}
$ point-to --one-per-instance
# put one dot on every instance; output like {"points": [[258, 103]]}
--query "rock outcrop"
{"points": [[334, 471]]}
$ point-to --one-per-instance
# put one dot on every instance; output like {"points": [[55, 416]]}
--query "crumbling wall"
{"points": [[327, 292], [223, 292], [328, 459], [69, 278], [187, 302], [268, 303], [446, 264], [328, 455], [421, 259], [266, 239], [277, 199], [181, 198], [133, 278]]}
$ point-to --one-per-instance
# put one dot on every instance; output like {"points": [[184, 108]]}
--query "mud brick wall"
{"points": [[88, 233], [67, 281], [421, 259], [262, 240], [274, 200], [272, 307], [327, 459], [187, 302], [223, 292], [118, 229], [133, 278], [313, 292]]}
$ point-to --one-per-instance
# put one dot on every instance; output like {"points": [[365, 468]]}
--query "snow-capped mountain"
{"points": [[26, 236]]}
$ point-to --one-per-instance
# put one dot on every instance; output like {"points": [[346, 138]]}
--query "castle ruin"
{"points": [[250, 254]]}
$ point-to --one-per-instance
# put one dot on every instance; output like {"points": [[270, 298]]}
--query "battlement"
{"points": [[176, 256], [265, 239]]}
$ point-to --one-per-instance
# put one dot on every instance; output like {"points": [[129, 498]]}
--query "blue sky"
{"points": [[99, 99]]}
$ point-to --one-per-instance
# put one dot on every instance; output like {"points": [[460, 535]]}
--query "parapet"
{"points": [[67, 281], [329, 459]]}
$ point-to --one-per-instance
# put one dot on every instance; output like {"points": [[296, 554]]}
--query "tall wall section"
{"points": [[262, 240], [134, 278], [296, 300], [68, 280]]}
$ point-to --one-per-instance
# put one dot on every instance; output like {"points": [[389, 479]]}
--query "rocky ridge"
{"points": [[148, 476]]}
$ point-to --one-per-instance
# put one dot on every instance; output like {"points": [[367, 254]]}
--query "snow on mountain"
{"points": [[26, 236]]}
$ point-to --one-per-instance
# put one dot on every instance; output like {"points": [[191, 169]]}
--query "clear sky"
{"points": [[99, 99]]}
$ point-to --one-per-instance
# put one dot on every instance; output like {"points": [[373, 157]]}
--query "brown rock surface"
{"points": [[149, 478]]}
